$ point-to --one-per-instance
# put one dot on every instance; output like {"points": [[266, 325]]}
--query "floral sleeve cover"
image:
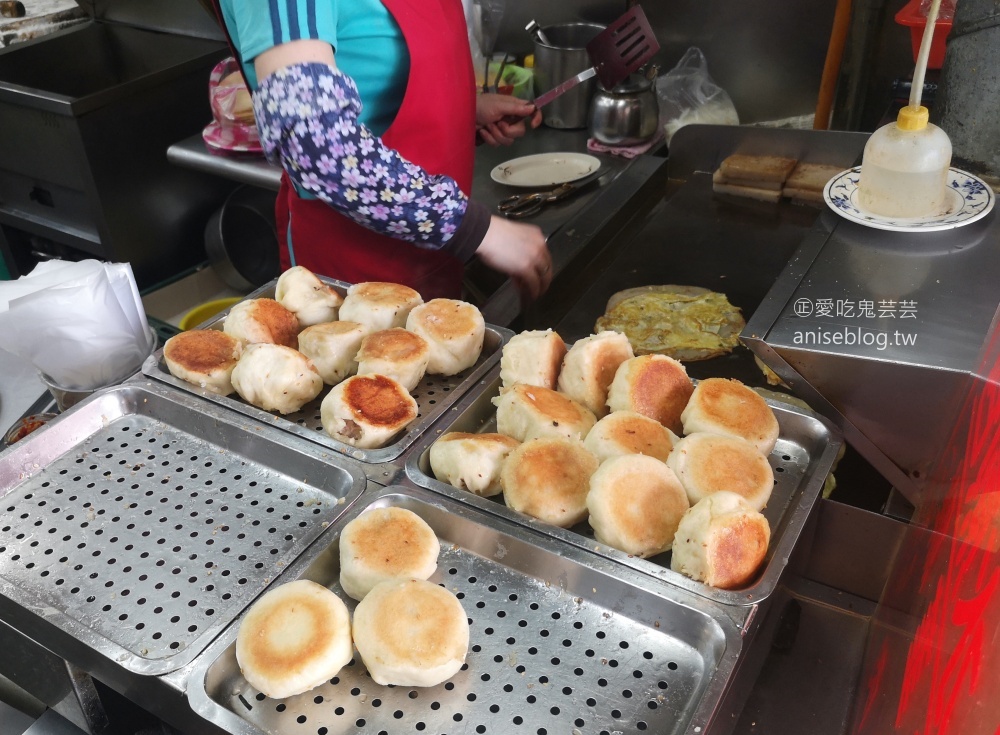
{"points": [[307, 117]]}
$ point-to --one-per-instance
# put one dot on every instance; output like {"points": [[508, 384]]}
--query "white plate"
{"points": [[545, 169], [971, 199]]}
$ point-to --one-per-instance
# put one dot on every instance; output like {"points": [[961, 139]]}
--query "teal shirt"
{"points": [[368, 44]]}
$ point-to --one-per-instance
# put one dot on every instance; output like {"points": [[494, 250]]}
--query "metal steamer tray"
{"points": [[561, 641], [434, 395], [138, 525], [806, 450]]}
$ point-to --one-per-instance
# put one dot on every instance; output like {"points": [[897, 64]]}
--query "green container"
{"points": [[516, 80]]}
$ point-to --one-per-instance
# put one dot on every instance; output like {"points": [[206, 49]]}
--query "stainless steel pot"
{"points": [[626, 115], [241, 241], [564, 56]]}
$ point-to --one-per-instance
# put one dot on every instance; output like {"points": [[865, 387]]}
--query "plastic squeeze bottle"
{"points": [[904, 170]]}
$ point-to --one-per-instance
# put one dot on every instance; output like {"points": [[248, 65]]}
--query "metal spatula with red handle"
{"points": [[617, 51]]}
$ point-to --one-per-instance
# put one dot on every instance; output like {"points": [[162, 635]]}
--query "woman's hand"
{"points": [[501, 119], [519, 250]]}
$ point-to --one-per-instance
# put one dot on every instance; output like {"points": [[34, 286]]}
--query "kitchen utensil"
{"points": [[490, 15], [616, 52], [545, 169], [626, 115], [241, 241], [535, 30], [564, 56], [499, 77], [525, 205]]}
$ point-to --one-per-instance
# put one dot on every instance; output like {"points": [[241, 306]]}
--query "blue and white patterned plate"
{"points": [[971, 199]]}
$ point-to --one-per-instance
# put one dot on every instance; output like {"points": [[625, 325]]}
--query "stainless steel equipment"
{"points": [[626, 115], [434, 395], [87, 115], [560, 640], [140, 524], [801, 461], [563, 57]]}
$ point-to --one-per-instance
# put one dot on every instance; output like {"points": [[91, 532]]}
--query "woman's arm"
{"points": [[307, 113]]}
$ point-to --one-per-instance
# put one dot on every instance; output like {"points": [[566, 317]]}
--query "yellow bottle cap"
{"points": [[529, 61], [912, 118]]}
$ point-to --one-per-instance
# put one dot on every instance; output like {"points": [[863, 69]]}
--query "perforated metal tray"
{"points": [[805, 452], [434, 395], [137, 526], [560, 642]]}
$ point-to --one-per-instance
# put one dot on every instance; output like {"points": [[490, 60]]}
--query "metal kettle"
{"points": [[626, 115]]}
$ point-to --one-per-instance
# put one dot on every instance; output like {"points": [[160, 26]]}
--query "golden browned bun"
{"points": [[262, 320], [635, 504], [721, 541], [294, 638], [396, 353], [627, 432], [302, 292], [549, 479], [656, 386], [333, 347], [379, 305], [367, 411], [722, 406], [709, 463], [382, 544], [590, 366], [471, 461], [411, 633], [532, 358], [454, 330], [205, 357], [276, 378], [529, 412]]}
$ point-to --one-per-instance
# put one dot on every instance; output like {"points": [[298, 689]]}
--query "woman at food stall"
{"points": [[370, 107]]}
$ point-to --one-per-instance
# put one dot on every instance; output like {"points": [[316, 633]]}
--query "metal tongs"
{"points": [[525, 205]]}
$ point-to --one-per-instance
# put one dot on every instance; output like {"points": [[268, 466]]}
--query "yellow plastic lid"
{"points": [[912, 118], [529, 61]]}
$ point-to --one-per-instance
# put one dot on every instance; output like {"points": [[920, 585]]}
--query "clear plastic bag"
{"points": [[687, 94]]}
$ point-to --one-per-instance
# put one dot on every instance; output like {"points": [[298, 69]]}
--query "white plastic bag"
{"points": [[687, 94]]}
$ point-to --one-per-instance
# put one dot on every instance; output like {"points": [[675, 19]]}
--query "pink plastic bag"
{"points": [[232, 128]]}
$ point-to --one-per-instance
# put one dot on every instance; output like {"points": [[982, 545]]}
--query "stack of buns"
{"points": [[373, 346], [408, 631], [629, 444]]}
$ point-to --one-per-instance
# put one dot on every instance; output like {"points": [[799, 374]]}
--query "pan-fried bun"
{"points": [[333, 347], [294, 638], [721, 541], [301, 292], [276, 378], [454, 330], [532, 358], [367, 411], [396, 353], [549, 479], [411, 633], [379, 305], [709, 463], [262, 321], [635, 504], [628, 432], [590, 366], [382, 544], [471, 461], [728, 407], [529, 412], [656, 386], [205, 357]]}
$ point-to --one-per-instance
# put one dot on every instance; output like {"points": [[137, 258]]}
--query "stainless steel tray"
{"points": [[434, 395], [138, 525], [805, 452], [561, 642]]}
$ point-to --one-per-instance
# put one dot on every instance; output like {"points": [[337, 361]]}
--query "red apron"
{"points": [[434, 128]]}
